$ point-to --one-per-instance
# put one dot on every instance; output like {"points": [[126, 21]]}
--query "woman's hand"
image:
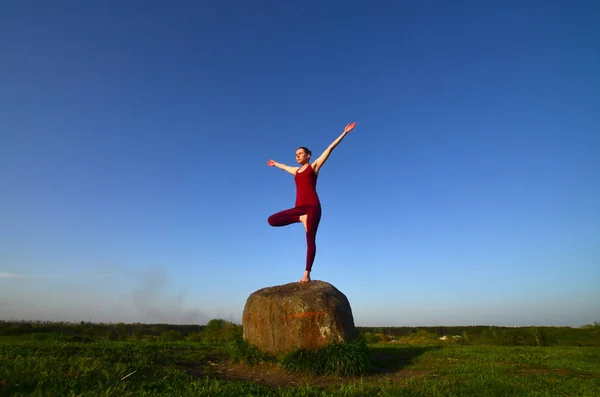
{"points": [[323, 157], [349, 127]]}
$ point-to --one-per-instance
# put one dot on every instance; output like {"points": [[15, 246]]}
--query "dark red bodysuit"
{"points": [[307, 203]]}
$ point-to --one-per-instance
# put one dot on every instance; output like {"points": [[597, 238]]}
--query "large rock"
{"points": [[294, 316]]}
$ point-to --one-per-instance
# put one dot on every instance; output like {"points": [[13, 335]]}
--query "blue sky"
{"points": [[134, 140]]}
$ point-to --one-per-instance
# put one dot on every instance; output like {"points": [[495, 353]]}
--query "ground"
{"points": [[390, 367]]}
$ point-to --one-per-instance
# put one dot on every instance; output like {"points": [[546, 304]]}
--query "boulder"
{"points": [[284, 318]]}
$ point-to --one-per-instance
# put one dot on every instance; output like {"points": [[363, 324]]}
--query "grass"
{"points": [[506, 371], [67, 368], [342, 359], [241, 351]]}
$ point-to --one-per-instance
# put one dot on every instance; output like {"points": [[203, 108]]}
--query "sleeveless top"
{"points": [[306, 187]]}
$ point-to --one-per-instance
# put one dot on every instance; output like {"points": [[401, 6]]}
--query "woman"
{"points": [[307, 208]]}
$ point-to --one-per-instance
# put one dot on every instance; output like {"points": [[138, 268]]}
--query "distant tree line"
{"points": [[436, 330], [587, 335], [219, 331], [214, 331]]}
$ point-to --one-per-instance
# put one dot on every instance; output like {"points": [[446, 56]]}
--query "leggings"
{"points": [[292, 215]]}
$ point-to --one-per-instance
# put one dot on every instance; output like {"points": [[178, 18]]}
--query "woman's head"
{"points": [[302, 155]]}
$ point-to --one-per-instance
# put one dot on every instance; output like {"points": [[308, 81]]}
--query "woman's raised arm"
{"points": [[323, 157]]}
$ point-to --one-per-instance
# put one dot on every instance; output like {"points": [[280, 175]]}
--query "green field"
{"points": [[63, 367]]}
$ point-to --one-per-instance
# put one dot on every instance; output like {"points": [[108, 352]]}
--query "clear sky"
{"points": [[134, 137]]}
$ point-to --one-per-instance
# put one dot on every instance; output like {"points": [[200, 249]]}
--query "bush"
{"points": [[420, 337], [241, 351], [218, 330], [170, 336], [466, 337], [342, 359], [371, 338]]}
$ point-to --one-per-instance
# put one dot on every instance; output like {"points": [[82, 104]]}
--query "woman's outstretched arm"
{"points": [[291, 170], [323, 158]]}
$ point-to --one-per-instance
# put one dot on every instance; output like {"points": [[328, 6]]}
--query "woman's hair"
{"points": [[305, 150]]}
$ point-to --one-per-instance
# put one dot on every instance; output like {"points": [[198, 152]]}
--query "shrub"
{"points": [[241, 351], [420, 337], [218, 330], [342, 359], [371, 338], [170, 336]]}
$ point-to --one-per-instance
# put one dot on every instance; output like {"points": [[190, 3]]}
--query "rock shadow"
{"points": [[394, 359]]}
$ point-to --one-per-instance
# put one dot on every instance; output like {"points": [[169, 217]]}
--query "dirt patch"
{"points": [[269, 374], [544, 371]]}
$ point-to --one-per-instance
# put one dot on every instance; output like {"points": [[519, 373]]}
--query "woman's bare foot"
{"points": [[303, 220], [306, 277]]}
